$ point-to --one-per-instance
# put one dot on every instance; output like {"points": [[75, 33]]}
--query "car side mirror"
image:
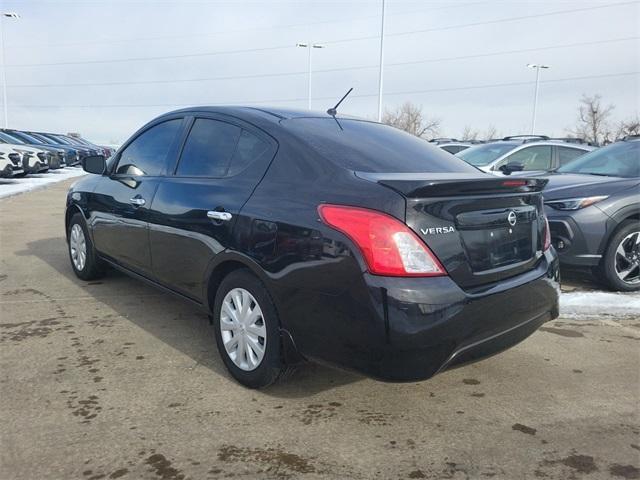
{"points": [[94, 164], [509, 168]]}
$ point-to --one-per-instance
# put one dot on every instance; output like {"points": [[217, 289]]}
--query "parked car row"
{"points": [[26, 152]]}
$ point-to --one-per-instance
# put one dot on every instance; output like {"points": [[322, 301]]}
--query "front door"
{"points": [[121, 200], [195, 210]]}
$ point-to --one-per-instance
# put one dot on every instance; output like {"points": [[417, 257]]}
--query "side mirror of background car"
{"points": [[94, 164], [509, 168]]}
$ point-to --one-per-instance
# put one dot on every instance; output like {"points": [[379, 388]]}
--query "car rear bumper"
{"points": [[428, 325]]}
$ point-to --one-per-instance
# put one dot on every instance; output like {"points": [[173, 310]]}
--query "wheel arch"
{"points": [[228, 262], [223, 264], [69, 213], [632, 212]]}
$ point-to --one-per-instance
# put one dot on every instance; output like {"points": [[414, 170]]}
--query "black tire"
{"points": [[607, 268], [271, 367], [93, 267]]}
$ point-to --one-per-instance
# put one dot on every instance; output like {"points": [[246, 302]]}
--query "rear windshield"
{"points": [[482, 155], [372, 147]]}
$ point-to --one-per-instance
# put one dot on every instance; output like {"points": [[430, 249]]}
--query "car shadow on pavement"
{"points": [[174, 321]]}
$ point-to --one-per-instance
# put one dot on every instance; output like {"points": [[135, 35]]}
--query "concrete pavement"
{"points": [[113, 379]]}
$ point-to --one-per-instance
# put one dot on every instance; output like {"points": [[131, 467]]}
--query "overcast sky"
{"points": [[104, 68]]}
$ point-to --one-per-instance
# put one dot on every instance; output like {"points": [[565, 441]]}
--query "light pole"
{"points": [[537, 67], [4, 15], [309, 46], [381, 65]]}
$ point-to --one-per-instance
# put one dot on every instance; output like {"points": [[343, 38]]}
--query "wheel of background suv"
{"points": [[621, 262], [246, 329], [84, 261]]}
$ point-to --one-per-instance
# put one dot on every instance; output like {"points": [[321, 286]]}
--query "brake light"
{"points": [[514, 183], [389, 247], [547, 235]]}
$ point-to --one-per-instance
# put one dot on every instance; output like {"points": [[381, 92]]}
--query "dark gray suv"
{"points": [[593, 208]]}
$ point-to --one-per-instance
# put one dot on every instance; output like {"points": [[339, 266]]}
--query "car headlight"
{"points": [[575, 203]]}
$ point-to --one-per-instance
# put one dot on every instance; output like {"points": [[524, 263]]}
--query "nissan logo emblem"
{"points": [[512, 218]]}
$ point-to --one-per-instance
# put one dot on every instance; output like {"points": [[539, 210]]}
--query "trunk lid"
{"points": [[482, 228]]}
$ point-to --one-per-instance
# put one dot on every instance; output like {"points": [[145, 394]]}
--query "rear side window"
{"points": [[372, 147], [566, 154], [531, 158], [249, 148], [453, 148], [146, 155], [208, 149]]}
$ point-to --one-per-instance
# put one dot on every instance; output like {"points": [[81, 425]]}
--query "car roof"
{"points": [[273, 113], [518, 143]]}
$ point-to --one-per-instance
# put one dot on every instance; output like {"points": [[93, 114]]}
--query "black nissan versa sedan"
{"points": [[309, 236]]}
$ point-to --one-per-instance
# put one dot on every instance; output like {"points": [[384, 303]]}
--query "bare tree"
{"points": [[409, 117], [593, 120], [630, 126], [490, 132], [469, 133]]}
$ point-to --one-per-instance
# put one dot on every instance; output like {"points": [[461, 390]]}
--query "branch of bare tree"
{"points": [[409, 117]]}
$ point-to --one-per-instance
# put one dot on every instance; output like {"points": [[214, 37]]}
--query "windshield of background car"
{"points": [[64, 140], [27, 138], [620, 159], [371, 147], [10, 139], [482, 155], [48, 139]]}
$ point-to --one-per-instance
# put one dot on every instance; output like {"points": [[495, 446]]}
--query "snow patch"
{"points": [[15, 186], [600, 303]]}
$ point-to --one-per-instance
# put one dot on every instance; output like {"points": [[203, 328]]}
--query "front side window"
{"points": [[146, 155], [208, 149], [566, 154], [531, 158]]}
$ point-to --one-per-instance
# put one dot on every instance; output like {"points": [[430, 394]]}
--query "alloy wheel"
{"points": [[243, 330], [627, 259], [78, 247]]}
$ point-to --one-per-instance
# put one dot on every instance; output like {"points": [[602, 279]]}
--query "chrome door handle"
{"points": [[137, 201], [215, 215]]}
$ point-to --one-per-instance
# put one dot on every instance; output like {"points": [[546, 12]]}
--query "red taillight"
{"points": [[514, 183], [389, 247], [547, 235]]}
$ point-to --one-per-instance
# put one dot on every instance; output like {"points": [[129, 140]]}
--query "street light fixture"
{"points": [[537, 67], [14, 16], [309, 46]]}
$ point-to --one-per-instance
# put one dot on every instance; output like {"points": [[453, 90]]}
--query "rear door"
{"points": [[195, 210], [568, 154], [120, 202]]}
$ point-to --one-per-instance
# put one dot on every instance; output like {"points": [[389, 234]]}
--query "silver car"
{"points": [[527, 153]]}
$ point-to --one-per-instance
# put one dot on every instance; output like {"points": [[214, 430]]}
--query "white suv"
{"points": [[529, 153], [10, 162]]}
